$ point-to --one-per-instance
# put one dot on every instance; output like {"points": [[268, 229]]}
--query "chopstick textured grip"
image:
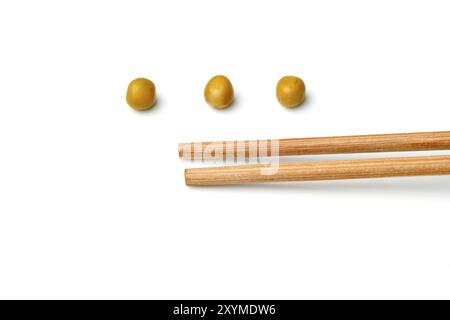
{"points": [[326, 170]]}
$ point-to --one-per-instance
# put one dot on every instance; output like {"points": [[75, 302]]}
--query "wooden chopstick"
{"points": [[326, 170], [327, 145]]}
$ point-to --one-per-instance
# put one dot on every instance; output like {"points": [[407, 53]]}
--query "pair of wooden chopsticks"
{"points": [[323, 170]]}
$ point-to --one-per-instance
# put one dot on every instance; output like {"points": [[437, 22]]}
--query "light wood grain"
{"points": [[326, 170], [421, 141]]}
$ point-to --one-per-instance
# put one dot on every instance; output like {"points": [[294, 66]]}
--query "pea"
{"points": [[291, 91], [219, 92], [141, 94]]}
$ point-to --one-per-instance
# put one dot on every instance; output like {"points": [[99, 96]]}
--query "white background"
{"points": [[92, 196]]}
